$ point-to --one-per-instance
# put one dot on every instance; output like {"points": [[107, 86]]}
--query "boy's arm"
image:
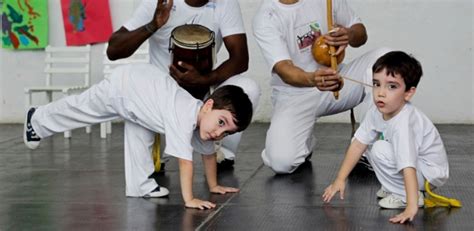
{"points": [[411, 189], [210, 167], [186, 180], [353, 154]]}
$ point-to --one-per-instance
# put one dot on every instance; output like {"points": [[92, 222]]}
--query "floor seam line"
{"points": [[213, 214]]}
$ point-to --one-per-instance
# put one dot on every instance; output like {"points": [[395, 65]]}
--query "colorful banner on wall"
{"points": [[24, 24], [86, 21]]}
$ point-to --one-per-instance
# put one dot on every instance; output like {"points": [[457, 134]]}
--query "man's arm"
{"points": [[355, 151], [237, 63], [341, 37], [411, 189], [123, 43], [295, 76], [210, 167], [186, 180]]}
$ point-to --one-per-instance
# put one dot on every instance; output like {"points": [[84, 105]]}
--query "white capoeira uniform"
{"points": [[407, 140], [223, 17], [148, 103], [286, 32]]}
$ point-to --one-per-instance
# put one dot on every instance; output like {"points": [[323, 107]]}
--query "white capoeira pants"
{"points": [[383, 161], [104, 102], [290, 137], [101, 103]]}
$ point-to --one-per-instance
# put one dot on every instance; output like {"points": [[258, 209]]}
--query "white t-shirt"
{"points": [[161, 106], [221, 16], [286, 32], [415, 141]]}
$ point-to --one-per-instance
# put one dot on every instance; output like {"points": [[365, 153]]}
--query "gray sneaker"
{"points": [[158, 192], [395, 202], [30, 138], [382, 193]]}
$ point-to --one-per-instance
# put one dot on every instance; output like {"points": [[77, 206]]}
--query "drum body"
{"points": [[194, 45]]}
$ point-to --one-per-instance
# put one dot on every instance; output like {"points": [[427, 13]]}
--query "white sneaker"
{"points": [[159, 191], [395, 202], [382, 193]]}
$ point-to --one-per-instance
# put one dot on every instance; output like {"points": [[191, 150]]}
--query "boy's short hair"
{"points": [[399, 62], [233, 99]]}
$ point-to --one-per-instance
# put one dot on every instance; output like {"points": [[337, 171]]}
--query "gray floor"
{"points": [[78, 184]]}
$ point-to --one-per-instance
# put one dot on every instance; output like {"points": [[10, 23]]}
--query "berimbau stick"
{"points": [[332, 49]]}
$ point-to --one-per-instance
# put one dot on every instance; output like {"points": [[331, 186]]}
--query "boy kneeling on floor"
{"points": [[150, 103], [405, 147]]}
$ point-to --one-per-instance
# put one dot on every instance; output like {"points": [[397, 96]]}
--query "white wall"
{"points": [[437, 32]]}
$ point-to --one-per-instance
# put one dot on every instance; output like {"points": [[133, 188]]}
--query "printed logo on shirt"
{"points": [[306, 35], [382, 137]]}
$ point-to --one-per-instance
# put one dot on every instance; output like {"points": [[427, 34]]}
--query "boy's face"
{"points": [[389, 93], [215, 124]]}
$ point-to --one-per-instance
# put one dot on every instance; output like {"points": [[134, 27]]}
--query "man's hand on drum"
{"points": [[338, 37], [327, 79], [191, 77], [162, 12]]}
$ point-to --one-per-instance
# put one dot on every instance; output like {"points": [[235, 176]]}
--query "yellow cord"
{"points": [[434, 200]]}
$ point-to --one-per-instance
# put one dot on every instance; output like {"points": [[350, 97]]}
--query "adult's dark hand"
{"points": [[162, 14], [190, 77]]}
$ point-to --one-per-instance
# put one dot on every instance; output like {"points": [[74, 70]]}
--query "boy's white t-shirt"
{"points": [[161, 106], [415, 141], [221, 16], [286, 32]]}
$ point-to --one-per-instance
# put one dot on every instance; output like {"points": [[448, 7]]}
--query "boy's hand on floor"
{"points": [[331, 190], [407, 215], [199, 204], [223, 190]]}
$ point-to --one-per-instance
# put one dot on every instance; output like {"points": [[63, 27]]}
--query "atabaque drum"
{"points": [[194, 45]]}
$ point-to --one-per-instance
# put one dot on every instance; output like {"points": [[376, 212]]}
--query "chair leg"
{"points": [[103, 130], [67, 134], [109, 127]]}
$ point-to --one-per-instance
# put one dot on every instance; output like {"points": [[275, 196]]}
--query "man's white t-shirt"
{"points": [[415, 141], [286, 32], [161, 106], [221, 16]]}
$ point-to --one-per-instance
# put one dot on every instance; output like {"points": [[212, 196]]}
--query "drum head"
{"points": [[192, 35]]}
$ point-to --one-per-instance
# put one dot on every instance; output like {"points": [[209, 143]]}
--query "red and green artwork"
{"points": [[86, 21], [24, 24]]}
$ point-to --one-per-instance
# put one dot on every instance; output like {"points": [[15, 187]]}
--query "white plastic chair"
{"points": [[141, 55], [63, 64]]}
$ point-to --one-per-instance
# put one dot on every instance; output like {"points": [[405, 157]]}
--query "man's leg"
{"points": [[230, 144], [290, 136], [138, 162]]}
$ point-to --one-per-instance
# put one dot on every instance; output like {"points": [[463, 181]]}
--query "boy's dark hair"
{"points": [[233, 99], [399, 62]]}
